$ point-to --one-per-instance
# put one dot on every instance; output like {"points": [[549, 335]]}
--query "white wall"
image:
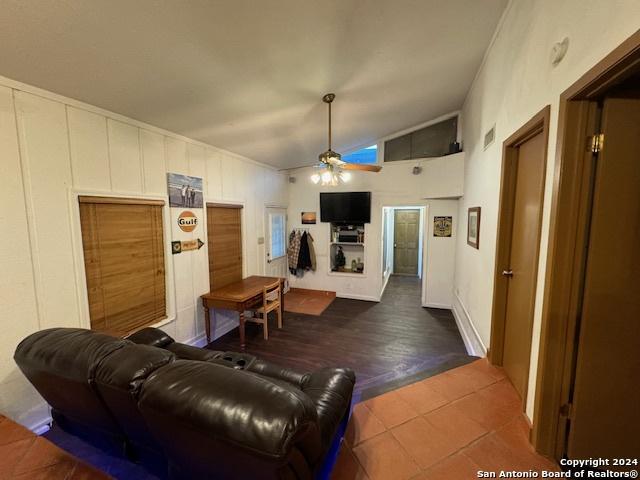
{"points": [[52, 149], [516, 81], [395, 185]]}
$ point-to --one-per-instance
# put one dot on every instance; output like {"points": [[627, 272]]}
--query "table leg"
{"points": [[241, 318], [207, 324]]}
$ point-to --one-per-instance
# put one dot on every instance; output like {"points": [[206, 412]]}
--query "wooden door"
{"points": [[224, 231], [605, 417], [406, 238], [522, 270], [276, 242]]}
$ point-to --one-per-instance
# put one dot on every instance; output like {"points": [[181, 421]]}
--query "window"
{"points": [[277, 242], [123, 248], [434, 140], [365, 155]]}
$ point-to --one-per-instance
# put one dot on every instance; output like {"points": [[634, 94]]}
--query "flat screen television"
{"points": [[345, 207]]}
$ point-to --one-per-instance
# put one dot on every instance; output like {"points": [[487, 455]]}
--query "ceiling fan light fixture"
{"points": [[315, 178], [345, 176]]}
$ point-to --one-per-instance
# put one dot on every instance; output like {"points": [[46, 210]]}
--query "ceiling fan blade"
{"points": [[360, 166]]}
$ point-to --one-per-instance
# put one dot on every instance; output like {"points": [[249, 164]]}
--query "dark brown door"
{"points": [[224, 229], [522, 270], [605, 419], [405, 250]]}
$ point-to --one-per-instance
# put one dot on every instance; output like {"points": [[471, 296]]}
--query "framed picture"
{"points": [[473, 227], [184, 191], [442, 226], [308, 218]]}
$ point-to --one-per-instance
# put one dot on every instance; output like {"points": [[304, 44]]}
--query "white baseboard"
{"points": [[355, 296], [437, 305], [470, 337], [42, 425]]}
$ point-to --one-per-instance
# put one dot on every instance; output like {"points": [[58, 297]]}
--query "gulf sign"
{"points": [[187, 221]]}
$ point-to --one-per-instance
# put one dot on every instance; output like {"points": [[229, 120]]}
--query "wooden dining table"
{"points": [[238, 296]]}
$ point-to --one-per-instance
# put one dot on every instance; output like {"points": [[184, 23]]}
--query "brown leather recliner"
{"points": [[210, 414]]}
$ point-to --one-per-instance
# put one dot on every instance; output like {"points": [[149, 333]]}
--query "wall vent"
{"points": [[489, 137]]}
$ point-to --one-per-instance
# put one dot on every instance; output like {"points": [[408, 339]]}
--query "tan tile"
{"points": [[458, 428], [422, 397], [391, 409], [12, 432], [11, 454], [347, 466], [41, 454], [383, 458], [492, 454], [362, 425], [426, 444], [477, 374], [502, 393], [452, 387], [458, 467], [488, 413], [515, 435], [57, 471]]}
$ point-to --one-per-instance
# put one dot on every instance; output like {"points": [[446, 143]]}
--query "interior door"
{"points": [[406, 238], [605, 416], [224, 232], [527, 205], [276, 242]]}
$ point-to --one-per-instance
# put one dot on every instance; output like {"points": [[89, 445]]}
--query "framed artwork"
{"points": [[473, 227], [308, 218], [184, 191], [442, 226]]}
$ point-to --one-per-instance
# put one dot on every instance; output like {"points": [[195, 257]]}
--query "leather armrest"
{"points": [[272, 370], [153, 337], [224, 407], [188, 352]]}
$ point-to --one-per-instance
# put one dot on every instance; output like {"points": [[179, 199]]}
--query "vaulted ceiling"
{"points": [[249, 75]]}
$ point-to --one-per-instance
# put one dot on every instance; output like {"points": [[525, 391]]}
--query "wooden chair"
{"points": [[271, 300]]}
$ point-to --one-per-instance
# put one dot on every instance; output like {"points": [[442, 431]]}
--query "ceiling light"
{"points": [[315, 178], [345, 176]]}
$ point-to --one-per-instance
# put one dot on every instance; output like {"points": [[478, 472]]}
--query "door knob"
{"points": [[507, 273]]}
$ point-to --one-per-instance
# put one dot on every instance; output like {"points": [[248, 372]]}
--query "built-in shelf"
{"points": [[354, 252]]}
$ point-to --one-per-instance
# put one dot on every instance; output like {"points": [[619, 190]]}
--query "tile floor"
{"points": [[448, 426], [307, 303], [24, 455]]}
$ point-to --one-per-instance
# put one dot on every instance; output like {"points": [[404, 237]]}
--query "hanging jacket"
{"points": [[304, 260], [293, 251], [312, 252]]}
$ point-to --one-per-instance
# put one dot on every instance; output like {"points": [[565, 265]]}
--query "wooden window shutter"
{"points": [[124, 262]]}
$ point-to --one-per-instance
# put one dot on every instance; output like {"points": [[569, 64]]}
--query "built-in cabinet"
{"points": [[347, 249]]}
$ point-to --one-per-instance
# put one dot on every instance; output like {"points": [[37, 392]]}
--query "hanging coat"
{"points": [[304, 260], [293, 252], [312, 252]]}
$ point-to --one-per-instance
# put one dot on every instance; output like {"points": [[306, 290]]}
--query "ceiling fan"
{"points": [[332, 167]]}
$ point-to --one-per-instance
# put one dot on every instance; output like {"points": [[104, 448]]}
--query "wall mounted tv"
{"points": [[345, 207]]}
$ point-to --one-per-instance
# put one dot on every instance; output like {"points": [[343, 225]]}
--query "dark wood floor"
{"points": [[387, 344]]}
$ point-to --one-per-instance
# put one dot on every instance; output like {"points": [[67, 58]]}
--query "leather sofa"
{"points": [[207, 414]]}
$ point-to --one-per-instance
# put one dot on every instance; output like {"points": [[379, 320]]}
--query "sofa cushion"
{"points": [[153, 337], [61, 363], [202, 409], [330, 390], [187, 352]]}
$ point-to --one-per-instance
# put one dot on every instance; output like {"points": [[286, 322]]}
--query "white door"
{"points": [[276, 242]]}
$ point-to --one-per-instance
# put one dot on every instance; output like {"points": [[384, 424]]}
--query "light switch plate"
{"points": [[260, 240]]}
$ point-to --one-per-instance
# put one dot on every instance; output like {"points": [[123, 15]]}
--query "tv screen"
{"points": [[345, 207]]}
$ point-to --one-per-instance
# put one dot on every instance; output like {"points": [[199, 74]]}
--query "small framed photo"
{"points": [[308, 218], [473, 227], [184, 191]]}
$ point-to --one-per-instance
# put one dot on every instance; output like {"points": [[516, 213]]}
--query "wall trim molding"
{"points": [[438, 305], [470, 336]]}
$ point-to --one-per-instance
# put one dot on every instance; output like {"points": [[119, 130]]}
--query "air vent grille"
{"points": [[489, 137]]}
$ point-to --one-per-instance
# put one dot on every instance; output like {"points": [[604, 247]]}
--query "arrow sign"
{"points": [[186, 245]]}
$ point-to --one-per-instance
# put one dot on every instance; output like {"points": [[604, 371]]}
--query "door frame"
{"points": [[538, 124], [566, 254]]}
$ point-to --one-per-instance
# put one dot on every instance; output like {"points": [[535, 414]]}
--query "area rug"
{"points": [[308, 302]]}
